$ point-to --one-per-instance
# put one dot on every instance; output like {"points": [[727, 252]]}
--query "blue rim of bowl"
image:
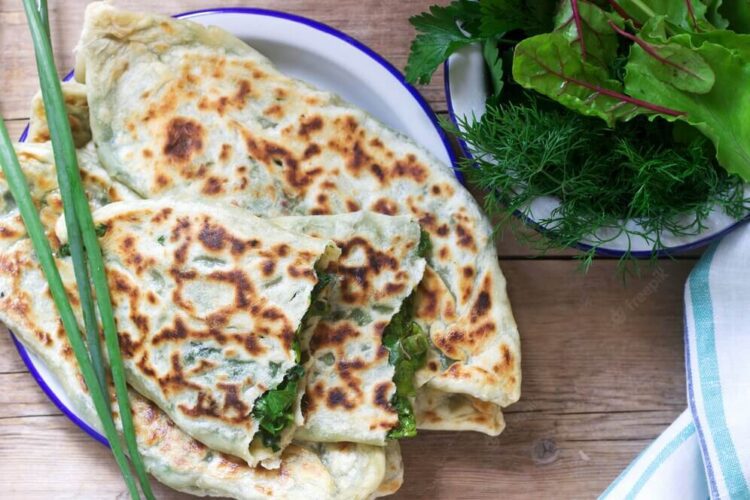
{"points": [[23, 353], [601, 251]]}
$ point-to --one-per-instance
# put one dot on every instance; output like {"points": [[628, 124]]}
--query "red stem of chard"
{"points": [[650, 50], [579, 26], [611, 93], [623, 13], [691, 13]]}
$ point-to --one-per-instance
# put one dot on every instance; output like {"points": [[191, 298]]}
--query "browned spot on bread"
{"points": [[481, 306], [358, 158], [300, 271], [184, 137], [468, 271], [377, 171], [243, 91], [161, 180], [268, 267], [252, 345], [336, 397], [270, 153], [177, 331], [282, 250], [381, 398], [325, 335], [234, 407], [427, 221], [147, 153], [410, 168], [465, 239], [394, 288], [385, 206], [212, 186], [274, 110], [310, 151], [312, 124], [213, 237], [226, 150], [242, 285], [352, 205]]}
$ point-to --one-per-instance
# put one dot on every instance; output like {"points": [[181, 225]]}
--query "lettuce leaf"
{"points": [[681, 15], [723, 113]]}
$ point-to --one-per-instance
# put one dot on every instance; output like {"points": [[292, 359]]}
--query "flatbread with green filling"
{"points": [[362, 355], [319, 471], [177, 107], [208, 301]]}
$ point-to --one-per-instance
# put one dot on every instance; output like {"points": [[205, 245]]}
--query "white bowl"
{"points": [[466, 90]]}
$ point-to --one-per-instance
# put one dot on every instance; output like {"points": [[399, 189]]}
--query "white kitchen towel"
{"points": [[706, 451]]}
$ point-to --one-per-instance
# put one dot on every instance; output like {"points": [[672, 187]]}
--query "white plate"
{"points": [[328, 59], [466, 91]]}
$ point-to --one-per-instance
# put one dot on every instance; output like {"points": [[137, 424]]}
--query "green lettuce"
{"points": [[723, 113]]}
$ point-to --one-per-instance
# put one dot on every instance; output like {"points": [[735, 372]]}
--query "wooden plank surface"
{"points": [[602, 359]]}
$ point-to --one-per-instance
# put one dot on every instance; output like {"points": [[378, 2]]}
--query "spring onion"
{"points": [[20, 190], [72, 187]]}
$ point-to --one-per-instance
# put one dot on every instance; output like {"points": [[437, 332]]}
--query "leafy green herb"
{"points": [[732, 14], [64, 250], [570, 65], [274, 409], [360, 316], [444, 30], [615, 60], [382, 308], [407, 346], [680, 14], [601, 179], [407, 422], [439, 36], [677, 65], [720, 114], [492, 57], [424, 249], [101, 230]]}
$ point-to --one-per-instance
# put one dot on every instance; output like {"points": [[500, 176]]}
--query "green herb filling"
{"points": [[407, 345], [274, 410]]}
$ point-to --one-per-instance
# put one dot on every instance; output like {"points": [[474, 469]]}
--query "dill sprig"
{"points": [[603, 177]]}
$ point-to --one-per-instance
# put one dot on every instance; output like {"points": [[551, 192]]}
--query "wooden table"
{"points": [[602, 359]]}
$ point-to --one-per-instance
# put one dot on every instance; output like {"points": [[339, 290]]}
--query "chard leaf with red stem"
{"points": [[672, 63], [587, 26], [723, 113], [552, 64], [682, 15]]}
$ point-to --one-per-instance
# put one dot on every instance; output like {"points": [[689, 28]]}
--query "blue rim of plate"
{"points": [[23, 353], [604, 252]]}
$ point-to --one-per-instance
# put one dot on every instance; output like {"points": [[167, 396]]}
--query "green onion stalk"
{"points": [[83, 240]]}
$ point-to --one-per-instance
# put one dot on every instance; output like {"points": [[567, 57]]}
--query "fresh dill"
{"points": [[603, 177]]}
